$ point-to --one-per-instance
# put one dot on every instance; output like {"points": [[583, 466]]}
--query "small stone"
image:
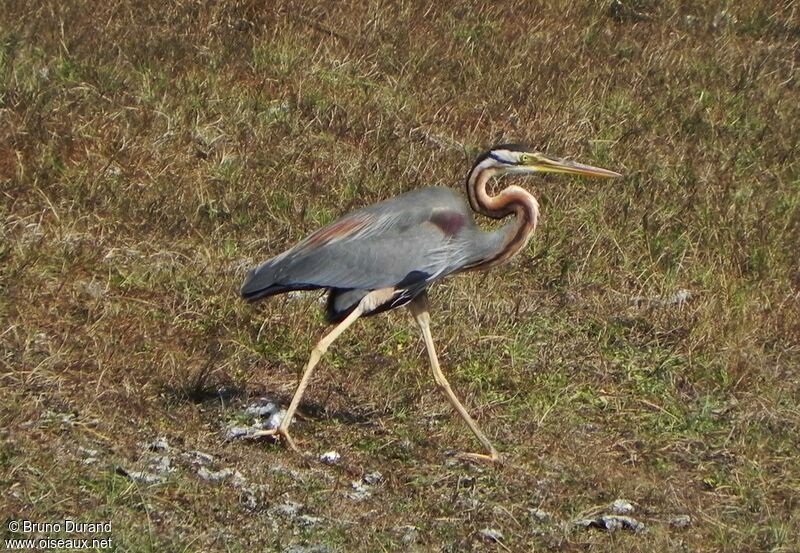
{"points": [[217, 475], [206, 474], [233, 432], [198, 457], [88, 452], [317, 548], [145, 477], [140, 476], [66, 419], [468, 503], [159, 444], [276, 419], [330, 457], [612, 523], [680, 297], [491, 535], [161, 464], [250, 501], [261, 409], [308, 520], [540, 515], [291, 473], [360, 491], [622, 507], [288, 509], [627, 522], [373, 478], [251, 493], [681, 521], [239, 481]]}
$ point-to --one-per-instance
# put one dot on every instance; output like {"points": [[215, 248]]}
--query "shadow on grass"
{"points": [[318, 411], [203, 394], [221, 395]]}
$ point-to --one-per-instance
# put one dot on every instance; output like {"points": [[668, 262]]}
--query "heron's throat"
{"points": [[512, 200]]}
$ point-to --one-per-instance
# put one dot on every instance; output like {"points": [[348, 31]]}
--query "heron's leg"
{"points": [[419, 308], [367, 303]]}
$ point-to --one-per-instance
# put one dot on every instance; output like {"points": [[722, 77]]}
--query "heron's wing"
{"points": [[401, 243]]}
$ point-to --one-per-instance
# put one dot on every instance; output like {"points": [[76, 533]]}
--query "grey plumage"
{"points": [[406, 242]]}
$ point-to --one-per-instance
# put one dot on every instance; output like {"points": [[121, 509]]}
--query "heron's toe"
{"points": [[278, 434], [490, 458], [271, 433]]}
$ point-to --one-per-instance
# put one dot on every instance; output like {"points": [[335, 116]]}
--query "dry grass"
{"points": [[150, 153]]}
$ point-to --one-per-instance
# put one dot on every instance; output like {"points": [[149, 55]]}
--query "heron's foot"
{"points": [[281, 434], [492, 458]]}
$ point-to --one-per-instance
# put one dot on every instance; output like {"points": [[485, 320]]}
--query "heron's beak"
{"points": [[545, 164]]}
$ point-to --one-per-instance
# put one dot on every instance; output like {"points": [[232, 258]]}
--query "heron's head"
{"points": [[517, 159]]}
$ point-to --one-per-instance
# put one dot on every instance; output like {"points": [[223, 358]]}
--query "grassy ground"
{"points": [[150, 153]]}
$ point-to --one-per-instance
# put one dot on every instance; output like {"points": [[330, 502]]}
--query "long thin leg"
{"points": [[368, 303], [419, 308]]}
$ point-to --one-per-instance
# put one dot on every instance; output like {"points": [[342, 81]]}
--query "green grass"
{"points": [[150, 154]]}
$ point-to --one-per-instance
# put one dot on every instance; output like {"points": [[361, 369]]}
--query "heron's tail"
{"points": [[263, 282]]}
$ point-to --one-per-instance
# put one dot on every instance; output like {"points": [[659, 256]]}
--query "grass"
{"points": [[150, 154]]}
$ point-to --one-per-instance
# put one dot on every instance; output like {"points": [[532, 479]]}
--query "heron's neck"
{"points": [[512, 200]]}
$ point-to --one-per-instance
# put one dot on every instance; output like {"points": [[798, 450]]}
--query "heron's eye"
{"points": [[525, 159]]}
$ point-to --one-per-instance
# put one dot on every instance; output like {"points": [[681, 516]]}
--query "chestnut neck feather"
{"points": [[512, 200]]}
